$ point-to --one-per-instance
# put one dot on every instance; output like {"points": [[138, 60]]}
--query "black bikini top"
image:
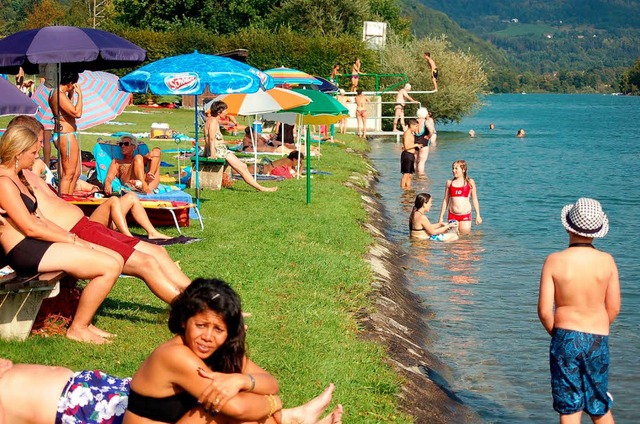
{"points": [[167, 409], [29, 203]]}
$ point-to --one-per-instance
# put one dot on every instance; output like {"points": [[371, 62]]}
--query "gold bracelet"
{"points": [[272, 405]]}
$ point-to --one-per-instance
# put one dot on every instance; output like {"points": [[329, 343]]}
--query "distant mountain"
{"points": [[540, 36], [485, 16]]}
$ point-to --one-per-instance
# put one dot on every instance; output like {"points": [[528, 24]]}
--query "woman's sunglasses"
{"points": [[124, 143]]}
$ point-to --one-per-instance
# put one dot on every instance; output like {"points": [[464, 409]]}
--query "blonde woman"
{"points": [[33, 244]]}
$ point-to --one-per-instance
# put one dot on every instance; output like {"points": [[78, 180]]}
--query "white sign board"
{"points": [[374, 34]]}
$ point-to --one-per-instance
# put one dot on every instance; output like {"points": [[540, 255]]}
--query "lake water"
{"points": [[483, 289]]}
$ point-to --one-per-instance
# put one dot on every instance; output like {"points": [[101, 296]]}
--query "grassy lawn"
{"points": [[299, 269]]}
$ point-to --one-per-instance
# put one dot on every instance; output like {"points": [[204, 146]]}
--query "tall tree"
{"points": [[45, 13]]}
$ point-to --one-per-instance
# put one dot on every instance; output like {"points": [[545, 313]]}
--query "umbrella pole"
{"points": [[56, 130], [255, 149], [195, 121], [308, 164]]}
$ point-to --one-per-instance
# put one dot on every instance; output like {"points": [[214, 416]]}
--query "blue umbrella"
{"points": [[14, 101], [192, 74]]}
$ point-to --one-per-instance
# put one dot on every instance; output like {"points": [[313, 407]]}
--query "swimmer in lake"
{"points": [[520, 133], [421, 228]]}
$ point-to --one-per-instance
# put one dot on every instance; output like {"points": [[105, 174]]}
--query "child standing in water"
{"points": [[456, 198]]}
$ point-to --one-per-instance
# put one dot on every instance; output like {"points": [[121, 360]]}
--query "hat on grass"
{"points": [[585, 218]]}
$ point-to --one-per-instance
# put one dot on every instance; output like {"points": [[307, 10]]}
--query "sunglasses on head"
{"points": [[124, 143]]}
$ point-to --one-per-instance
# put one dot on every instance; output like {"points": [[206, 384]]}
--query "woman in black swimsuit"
{"points": [[209, 341], [33, 244]]}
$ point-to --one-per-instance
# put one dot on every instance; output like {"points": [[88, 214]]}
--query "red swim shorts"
{"points": [[97, 233], [465, 217]]}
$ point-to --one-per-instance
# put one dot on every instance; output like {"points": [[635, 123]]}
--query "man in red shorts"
{"points": [[149, 262]]}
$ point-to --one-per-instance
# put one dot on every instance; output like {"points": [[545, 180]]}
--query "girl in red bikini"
{"points": [[456, 198]]}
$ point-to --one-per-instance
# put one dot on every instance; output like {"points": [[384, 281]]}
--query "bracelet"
{"points": [[272, 405], [74, 236], [252, 383]]}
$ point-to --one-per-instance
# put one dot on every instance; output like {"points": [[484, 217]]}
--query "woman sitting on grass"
{"points": [[215, 147], [201, 375]]}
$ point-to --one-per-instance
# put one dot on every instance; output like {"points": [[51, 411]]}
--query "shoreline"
{"points": [[397, 324]]}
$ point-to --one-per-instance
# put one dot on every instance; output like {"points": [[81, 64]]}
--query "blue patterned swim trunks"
{"points": [[579, 365], [93, 397]]}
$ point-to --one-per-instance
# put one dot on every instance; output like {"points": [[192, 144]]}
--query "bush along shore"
{"points": [[327, 299]]}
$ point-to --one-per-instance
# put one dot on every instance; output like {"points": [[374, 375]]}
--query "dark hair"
{"points": [[412, 121], [427, 54], [247, 130], [359, 91], [294, 155], [421, 200], [217, 108], [69, 77], [27, 121], [217, 296]]}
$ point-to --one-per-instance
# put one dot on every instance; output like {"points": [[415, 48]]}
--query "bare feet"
{"points": [[95, 330], [335, 417], [157, 235], [268, 189], [310, 411], [85, 335], [150, 177]]}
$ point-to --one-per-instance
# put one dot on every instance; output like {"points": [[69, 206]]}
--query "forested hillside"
{"points": [[561, 45]]}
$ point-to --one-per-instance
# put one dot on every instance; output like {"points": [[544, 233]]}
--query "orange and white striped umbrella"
{"points": [[260, 102]]}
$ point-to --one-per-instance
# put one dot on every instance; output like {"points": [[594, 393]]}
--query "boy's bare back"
{"points": [[582, 283]]}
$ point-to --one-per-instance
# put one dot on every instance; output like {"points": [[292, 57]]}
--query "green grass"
{"points": [[299, 269], [515, 30]]}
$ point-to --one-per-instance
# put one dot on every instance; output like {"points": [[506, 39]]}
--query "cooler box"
{"points": [[160, 130]]}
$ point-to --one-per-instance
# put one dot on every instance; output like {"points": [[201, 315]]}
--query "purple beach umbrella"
{"points": [[87, 48], [14, 101]]}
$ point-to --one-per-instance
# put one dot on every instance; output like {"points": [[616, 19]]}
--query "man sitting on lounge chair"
{"points": [[140, 172]]}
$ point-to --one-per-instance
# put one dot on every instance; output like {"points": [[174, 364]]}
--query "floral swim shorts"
{"points": [[93, 397]]}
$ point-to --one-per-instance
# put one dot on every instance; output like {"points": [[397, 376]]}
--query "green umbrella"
{"points": [[323, 109]]}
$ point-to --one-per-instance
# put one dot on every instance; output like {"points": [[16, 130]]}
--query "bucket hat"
{"points": [[585, 218]]}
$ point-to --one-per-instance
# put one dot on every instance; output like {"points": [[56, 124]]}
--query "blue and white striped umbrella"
{"points": [[102, 100]]}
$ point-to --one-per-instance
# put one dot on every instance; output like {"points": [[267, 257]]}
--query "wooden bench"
{"points": [[211, 171], [20, 301]]}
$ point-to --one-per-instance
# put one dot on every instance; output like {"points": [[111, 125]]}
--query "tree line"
{"points": [[311, 35]]}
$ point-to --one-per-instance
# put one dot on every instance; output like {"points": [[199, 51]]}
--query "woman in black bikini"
{"points": [[33, 244]]}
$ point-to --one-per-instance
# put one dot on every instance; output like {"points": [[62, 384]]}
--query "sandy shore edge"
{"points": [[396, 323]]}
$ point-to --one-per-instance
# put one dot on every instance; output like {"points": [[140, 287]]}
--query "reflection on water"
{"points": [[482, 289]]}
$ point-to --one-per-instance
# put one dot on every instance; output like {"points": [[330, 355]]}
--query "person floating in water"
{"points": [[578, 301], [520, 133], [420, 226]]}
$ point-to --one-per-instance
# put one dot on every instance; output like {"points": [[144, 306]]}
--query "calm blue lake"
{"points": [[483, 289]]}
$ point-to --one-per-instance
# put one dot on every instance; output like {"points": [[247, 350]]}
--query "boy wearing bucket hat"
{"points": [[579, 299]]}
